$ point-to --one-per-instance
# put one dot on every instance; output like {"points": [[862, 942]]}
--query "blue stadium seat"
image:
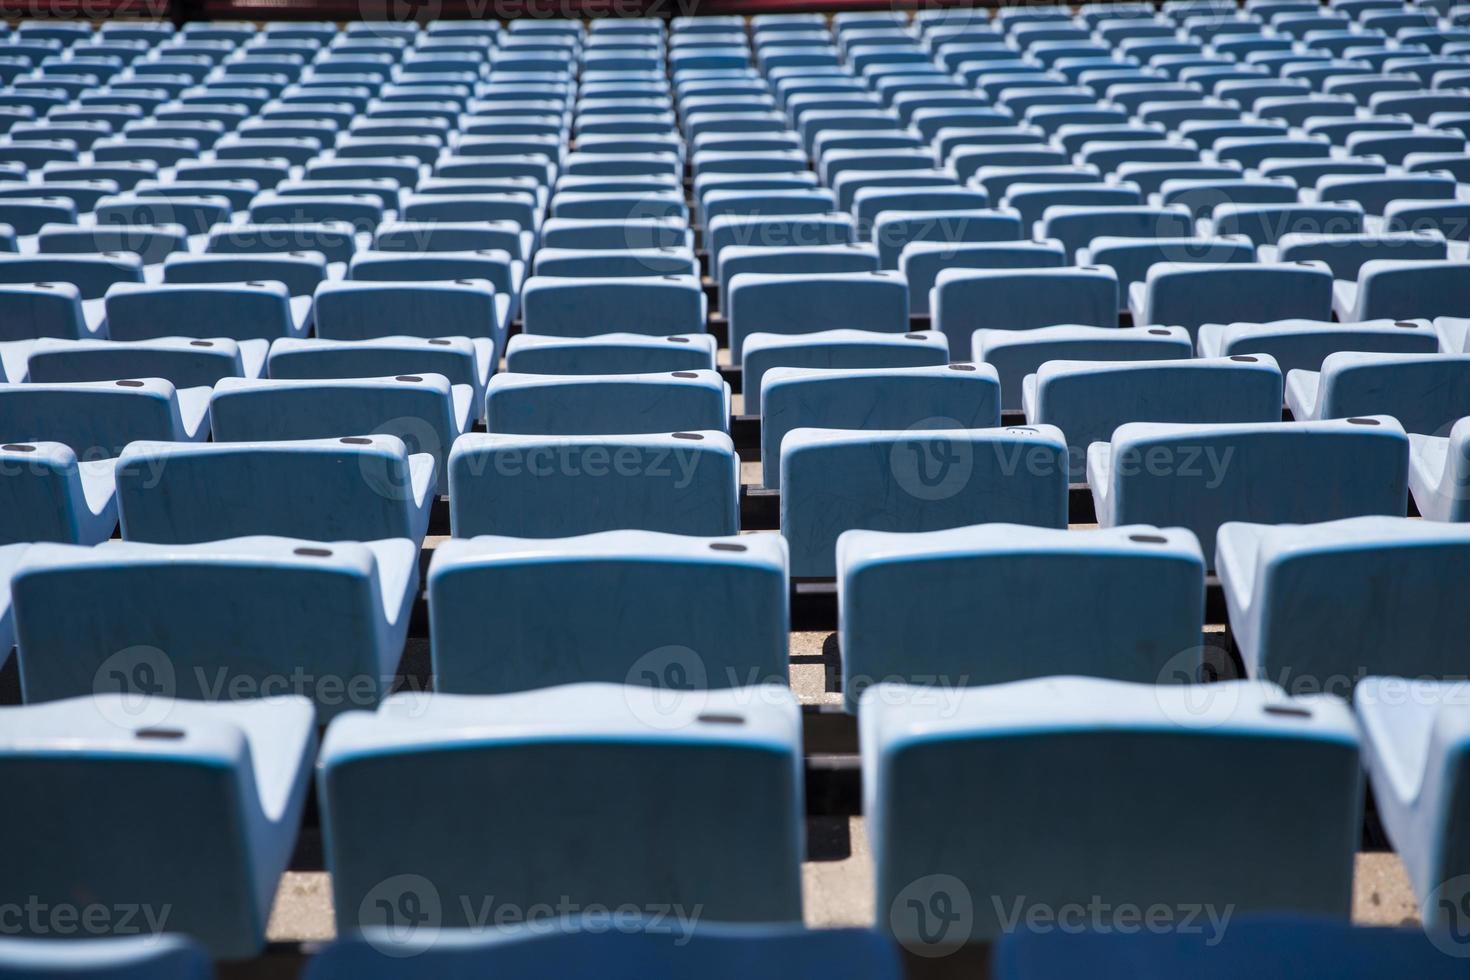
{"points": [[151, 243], [1076, 226], [225, 783], [186, 609], [1305, 610], [335, 240], [301, 272], [1345, 255], [610, 353], [1265, 947], [1016, 353], [835, 349], [1088, 400], [556, 487], [1044, 594], [835, 480], [606, 404], [182, 362], [894, 229], [1193, 294], [601, 263], [731, 833], [90, 274], [1171, 763], [954, 396], [559, 595], [1404, 289], [492, 265], [142, 957], [1425, 392], [966, 300], [353, 488], [1305, 344], [355, 311], [97, 419], [1414, 735], [809, 302], [586, 307], [1439, 473], [461, 360], [34, 310], [1201, 476], [1131, 258], [424, 410], [453, 236], [239, 311], [577, 948]]}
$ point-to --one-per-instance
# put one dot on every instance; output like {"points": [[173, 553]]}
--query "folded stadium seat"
{"points": [[492, 265], [1031, 200], [834, 164], [36, 154], [151, 243], [607, 404], [97, 419], [90, 275], [192, 630], [1309, 173], [299, 271], [610, 353], [1088, 400], [1376, 192], [1189, 295], [811, 201], [1017, 353], [1425, 392], [836, 480], [579, 752], [195, 214], [461, 359], [842, 348], [1396, 146], [955, 396], [1272, 575], [589, 306], [661, 951], [28, 215], [1451, 219], [802, 231], [921, 263], [403, 171], [966, 300], [30, 310], [1265, 224], [810, 302], [1272, 472], [362, 212], [236, 193], [1345, 255], [243, 769], [1404, 288], [1132, 258], [1044, 594], [453, 236], [1316, 948], [1077, 226], [55, 192], [609, 263], [893, 229], [1202, 194], [182, 362], [1031, 855], [266, 173], [1075, 137], [531, 486], [159, 956], [240, 311], [582, 580], [1305, 344], [425, 411], [335, 240], [604, 233]]}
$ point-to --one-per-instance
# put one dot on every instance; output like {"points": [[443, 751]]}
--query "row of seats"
{"points": [[1306, 605], [712, 783]]}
